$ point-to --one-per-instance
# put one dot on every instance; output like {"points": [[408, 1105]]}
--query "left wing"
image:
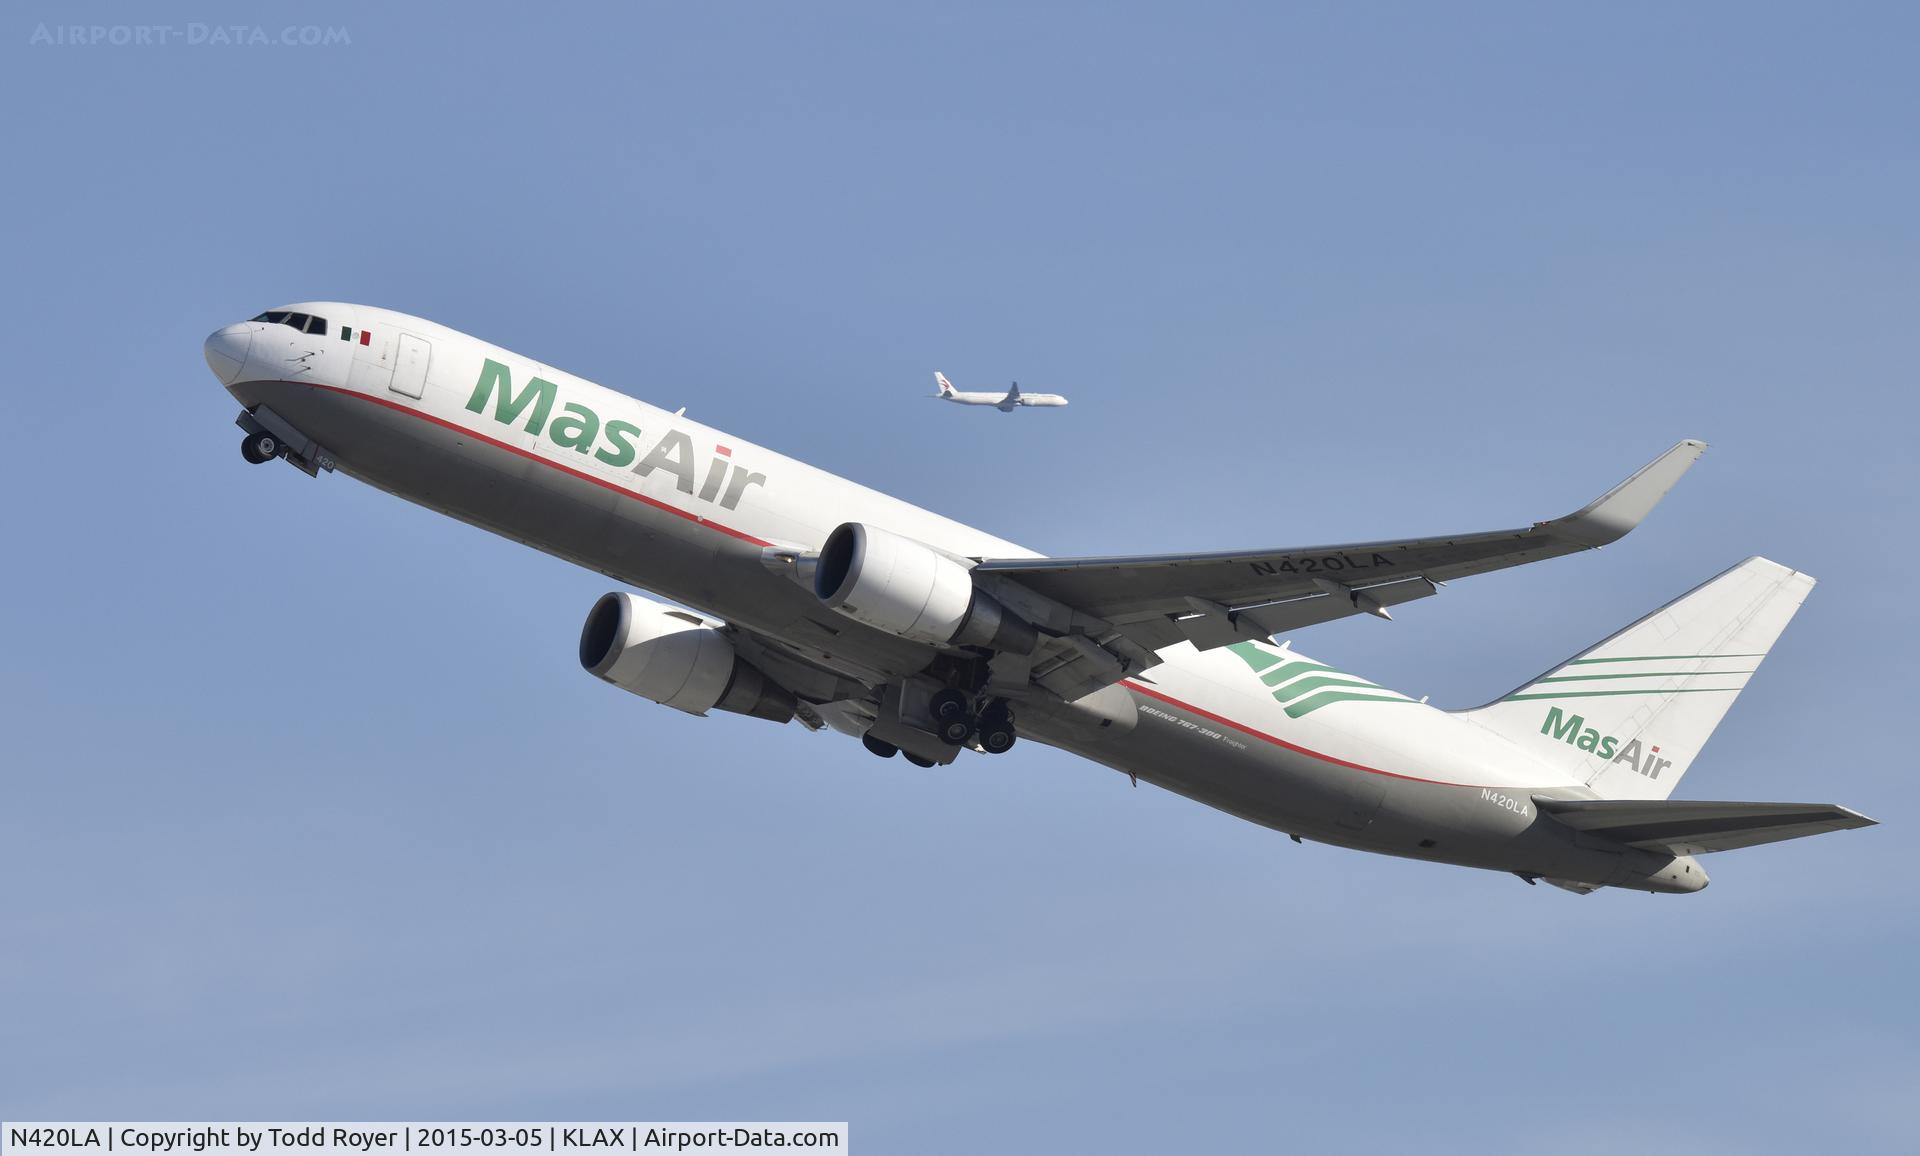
{"points": [[1107, 616]]}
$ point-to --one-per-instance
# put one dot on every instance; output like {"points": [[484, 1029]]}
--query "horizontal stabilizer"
{"points": [[1688, 827]]}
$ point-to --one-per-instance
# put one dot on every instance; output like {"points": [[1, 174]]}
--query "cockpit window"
{"points": [[305, 323]]}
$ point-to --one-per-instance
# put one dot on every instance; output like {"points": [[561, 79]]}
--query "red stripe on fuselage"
{"points": [[1264, 737]]}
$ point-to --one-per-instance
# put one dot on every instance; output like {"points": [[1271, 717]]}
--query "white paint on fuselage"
{"points": [[1392, 763]]}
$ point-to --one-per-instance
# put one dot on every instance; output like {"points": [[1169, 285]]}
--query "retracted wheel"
{"points": [[259, 448], [883, 749]]}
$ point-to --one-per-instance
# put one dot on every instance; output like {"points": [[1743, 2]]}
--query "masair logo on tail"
{"points": [[1574, 731]]}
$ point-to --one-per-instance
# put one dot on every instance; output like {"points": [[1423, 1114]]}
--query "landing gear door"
{"points": [[410, 366]]}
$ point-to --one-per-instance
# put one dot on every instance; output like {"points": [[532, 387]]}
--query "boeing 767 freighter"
{"points": [[817, 599]]}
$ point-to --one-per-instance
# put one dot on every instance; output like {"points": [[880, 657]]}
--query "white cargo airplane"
{"points": [[1004, 402], [822, 600]]}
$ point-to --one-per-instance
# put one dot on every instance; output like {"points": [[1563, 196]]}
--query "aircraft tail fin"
{"points": [[1629, 715], [942, 387]]}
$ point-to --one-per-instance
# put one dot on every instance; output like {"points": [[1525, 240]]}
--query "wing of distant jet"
{"points": [[1102, 619], [1012, 399], [1688, 827]]}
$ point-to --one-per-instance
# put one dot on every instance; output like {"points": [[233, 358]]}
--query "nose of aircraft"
{"points": [[226, 351]]}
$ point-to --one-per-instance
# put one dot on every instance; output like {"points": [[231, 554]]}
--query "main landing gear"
{"points": [[995, 734], [887, 750], [951, 718]]}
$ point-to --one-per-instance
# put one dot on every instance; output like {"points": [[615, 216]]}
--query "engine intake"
{"points": [[675, 659], [911, 590]]}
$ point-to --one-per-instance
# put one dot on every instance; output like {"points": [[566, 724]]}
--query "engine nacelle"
{"points": [[911, 590], [675, 659]]}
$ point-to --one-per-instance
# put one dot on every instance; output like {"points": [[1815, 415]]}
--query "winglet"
{"points": [[1609, 517]]}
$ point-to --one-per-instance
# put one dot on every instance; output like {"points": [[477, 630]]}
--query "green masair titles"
{"points": [[614, 443]]}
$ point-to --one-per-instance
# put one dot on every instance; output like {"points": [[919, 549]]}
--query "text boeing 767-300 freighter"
{"points": [[822, 600]]}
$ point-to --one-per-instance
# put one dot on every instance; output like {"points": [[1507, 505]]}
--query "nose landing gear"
{"points": [[260, 448], [270, 436]]}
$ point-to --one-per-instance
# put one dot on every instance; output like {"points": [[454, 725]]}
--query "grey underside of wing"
{"points": [[1273, 591], [1688, 827], [1156, 599], [1113, 587]]}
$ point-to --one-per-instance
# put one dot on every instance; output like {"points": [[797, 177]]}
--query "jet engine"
{"points": [[911, 590], [676, 659]]}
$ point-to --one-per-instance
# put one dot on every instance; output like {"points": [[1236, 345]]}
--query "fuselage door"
{"points": [[410, 366]]}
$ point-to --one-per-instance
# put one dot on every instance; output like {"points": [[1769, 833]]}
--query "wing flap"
{"points": [[1692, 827], [1212, 624]]}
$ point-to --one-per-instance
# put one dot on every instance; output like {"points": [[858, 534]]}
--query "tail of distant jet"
{"points": [[942, 387], [1630, 715]]}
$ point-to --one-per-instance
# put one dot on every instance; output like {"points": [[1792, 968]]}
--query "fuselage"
{"points": [[662, 502], [1002, 401]]}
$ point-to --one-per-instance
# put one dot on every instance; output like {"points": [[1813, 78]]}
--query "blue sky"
{"points": [[310, 812]]}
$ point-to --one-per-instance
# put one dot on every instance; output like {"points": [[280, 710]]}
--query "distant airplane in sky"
{"points": [[819, 599], [1004, 402]]}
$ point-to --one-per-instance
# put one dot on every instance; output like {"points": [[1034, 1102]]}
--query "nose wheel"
{"points": [[260, 448]]}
